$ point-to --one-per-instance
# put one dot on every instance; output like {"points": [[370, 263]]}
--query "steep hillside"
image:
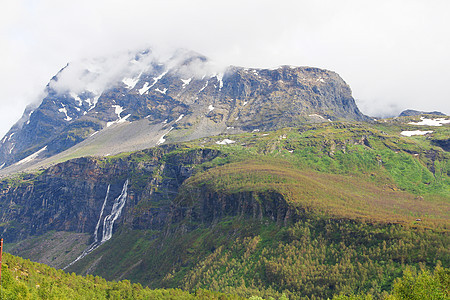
{"points": [[22, 279], [147, 100], [314, 211]]}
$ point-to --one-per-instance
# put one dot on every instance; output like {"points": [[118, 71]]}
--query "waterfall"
{"points": [[108, 222], [100, 218]]}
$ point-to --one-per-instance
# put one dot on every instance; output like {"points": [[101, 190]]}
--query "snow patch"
{"points": [[31, 157], [1, 167], [118, 110], [162, 92], [206, 84], [186, 82], [144, 89], [131, 82], [415, 132], [431, 122], [64, 110], [245, 103], [162, 139], [316, 115], [120, 120], [93, 103], [156, 79], [211, 108], [179, 118], [220, 77], [225, 142], [77, 98], [10, 150]]}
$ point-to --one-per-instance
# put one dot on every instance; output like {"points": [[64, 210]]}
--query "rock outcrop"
{"points": [[179, 99], [412, 112], [144, 191]]}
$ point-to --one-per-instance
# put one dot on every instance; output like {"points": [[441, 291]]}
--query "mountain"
{"points": [[412, 112], [148, 100], [249, 182], [316, 210]]}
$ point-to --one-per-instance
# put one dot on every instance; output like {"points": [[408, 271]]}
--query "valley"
{"points": [[318, 210], [175, 178]]}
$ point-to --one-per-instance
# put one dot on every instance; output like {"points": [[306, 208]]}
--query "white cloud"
{"points": [[394, 54], [95, 74]]}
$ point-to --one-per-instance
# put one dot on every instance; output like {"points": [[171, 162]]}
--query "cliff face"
{"points": [[88, 199], [178, 99], [81, 196]]}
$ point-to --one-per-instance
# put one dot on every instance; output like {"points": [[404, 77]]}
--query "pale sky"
{"points": [[394, 54]]}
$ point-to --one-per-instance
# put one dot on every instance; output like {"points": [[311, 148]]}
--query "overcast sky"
{"points": [[394, 54]]}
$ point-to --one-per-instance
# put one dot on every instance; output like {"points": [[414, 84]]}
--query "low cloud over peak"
{"points": [[392, 53]]}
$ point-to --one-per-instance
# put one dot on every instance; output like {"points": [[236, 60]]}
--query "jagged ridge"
{"points": [[179, 99]]}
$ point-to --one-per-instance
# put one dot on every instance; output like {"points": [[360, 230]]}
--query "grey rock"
{"points": [[183, 93]]}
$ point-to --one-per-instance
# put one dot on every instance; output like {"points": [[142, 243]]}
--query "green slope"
{"points": [[312, 212], [364, 205], [22, 279]]}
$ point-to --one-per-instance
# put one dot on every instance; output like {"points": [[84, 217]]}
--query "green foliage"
{"points": [[415, 285], [316, 258], [22, 279], [312, 257], [353, 297], [354, 191]]}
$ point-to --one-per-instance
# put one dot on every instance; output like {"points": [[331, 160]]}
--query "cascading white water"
{"points": [[100, 218], [109, 220]]}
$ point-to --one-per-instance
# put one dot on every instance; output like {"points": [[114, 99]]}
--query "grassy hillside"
{"points": [[367, 205], [322, 211], [22, 279]]}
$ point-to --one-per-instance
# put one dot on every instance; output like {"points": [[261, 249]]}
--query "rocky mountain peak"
{"points": [[138, 100]]}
